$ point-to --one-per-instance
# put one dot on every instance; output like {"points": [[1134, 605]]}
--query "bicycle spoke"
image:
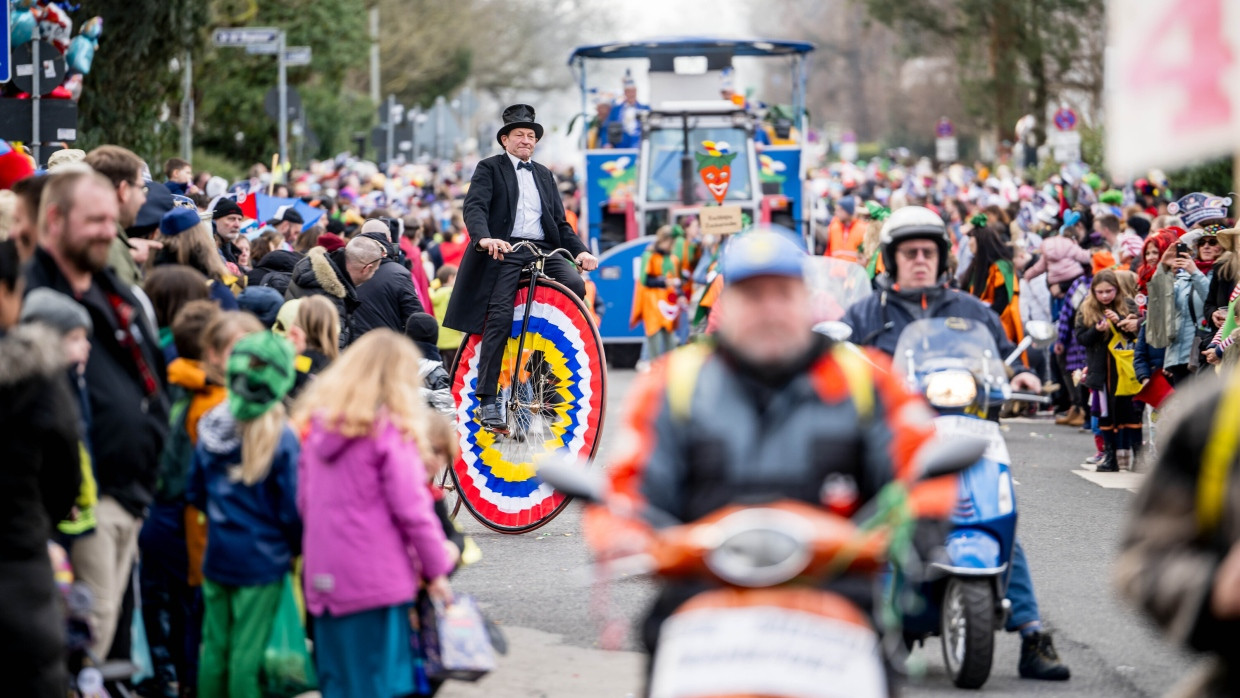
{"points": [[554, 399]]}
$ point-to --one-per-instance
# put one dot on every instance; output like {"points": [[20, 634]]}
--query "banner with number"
{"points": [[1173, 82]]}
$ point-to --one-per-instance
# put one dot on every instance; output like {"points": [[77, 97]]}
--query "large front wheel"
{"points": [[555, 394], [968, 629]]}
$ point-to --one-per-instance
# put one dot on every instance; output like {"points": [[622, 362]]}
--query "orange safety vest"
{"points": [[845, 243]]}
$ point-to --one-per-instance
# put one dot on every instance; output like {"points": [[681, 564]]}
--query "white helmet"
{"points": [[914, 223]]}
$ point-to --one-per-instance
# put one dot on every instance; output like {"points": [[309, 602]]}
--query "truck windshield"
{"points": [[663, 182]]}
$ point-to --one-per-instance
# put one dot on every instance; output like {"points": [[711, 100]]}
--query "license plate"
{"points": [[957, 425], [766, 651]]}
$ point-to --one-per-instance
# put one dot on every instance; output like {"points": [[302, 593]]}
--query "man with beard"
{"points": [[78, 222], [124, 169], [227, 218]]}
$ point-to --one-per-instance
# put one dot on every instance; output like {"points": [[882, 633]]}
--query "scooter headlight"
{"points": [[760, 547], [951, 389]]}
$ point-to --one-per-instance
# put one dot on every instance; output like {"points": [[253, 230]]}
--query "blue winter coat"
{"points": [[878, 320], [1146, 359], [254, 531]]}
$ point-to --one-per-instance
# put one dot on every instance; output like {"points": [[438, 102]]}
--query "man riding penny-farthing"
{"points": [[529, 378]]}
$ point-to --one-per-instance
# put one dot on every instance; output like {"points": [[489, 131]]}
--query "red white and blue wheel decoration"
{"points": [[497, 477]]}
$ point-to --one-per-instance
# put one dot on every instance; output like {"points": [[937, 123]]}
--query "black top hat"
{"points": [[519, 116]]}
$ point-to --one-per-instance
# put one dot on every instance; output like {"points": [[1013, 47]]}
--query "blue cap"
{"points": [[179, 220], [761, 253]]}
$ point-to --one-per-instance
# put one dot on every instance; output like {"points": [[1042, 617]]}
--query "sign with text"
{"points": [[245, 36], [720, 220], [1173, 82], [945, 149]]}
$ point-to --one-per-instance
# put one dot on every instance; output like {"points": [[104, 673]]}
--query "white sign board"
{"points": [[1065, 146], [945, 149], [297, 55], [245, 36], [1173, 82]]}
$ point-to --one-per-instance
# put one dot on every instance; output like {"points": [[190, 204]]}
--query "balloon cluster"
{"points": [[52, 23]]}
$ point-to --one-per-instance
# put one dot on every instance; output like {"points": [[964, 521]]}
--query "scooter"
{"points": [[955, 364], [766, 626]]}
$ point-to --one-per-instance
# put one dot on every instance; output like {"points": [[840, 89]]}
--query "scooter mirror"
{"points": [[1043, 333], [948, 456], [572, 478], [834, 329]]}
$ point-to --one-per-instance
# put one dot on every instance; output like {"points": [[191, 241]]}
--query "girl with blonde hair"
{"points": [[315, 333], [371, 533], [245, 469], [1107, 318], [187, 240]]}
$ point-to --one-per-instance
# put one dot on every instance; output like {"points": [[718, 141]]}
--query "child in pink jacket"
{"points": [[1061, 258], [371, 533]]}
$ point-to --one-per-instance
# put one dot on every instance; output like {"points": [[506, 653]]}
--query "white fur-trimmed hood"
{"points": [[30, 351]]}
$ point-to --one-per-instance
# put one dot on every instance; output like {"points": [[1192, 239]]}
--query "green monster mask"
{"points": [[260, 374]]}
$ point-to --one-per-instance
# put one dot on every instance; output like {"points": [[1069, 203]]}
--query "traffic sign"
{"points": [[271, 103], [262, 49], [6, 62], [245, 36], [51, 67], [297, 55]]}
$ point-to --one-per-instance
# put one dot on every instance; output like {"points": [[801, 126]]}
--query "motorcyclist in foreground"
{"points": [[774, 411], [915, 249]]}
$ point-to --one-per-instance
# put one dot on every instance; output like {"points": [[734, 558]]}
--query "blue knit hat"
{"points": [[178, 220]]}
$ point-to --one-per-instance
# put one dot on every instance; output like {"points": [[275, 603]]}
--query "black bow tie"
{"points": [[525, 166]]}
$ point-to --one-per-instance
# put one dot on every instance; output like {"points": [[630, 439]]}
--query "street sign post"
{"points": [[258, 40]]}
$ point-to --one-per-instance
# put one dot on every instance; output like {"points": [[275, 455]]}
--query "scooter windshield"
{"points": [[941, 344], [834, 286]]}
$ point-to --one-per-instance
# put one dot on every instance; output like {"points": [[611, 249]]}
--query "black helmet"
{"points": [[914, 223]]}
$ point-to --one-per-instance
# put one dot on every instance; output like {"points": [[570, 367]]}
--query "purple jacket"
{"points": [[1074, 352], [370, 527]]}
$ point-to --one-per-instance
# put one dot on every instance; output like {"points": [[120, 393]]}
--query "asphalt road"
{"points": [[537, 586]]}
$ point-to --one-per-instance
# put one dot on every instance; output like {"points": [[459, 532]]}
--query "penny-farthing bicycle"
{"points": [[553, 383]]}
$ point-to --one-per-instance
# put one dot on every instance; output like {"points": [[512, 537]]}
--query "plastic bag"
{"points": [[287, 670], [1122, 352], [455, 640]]}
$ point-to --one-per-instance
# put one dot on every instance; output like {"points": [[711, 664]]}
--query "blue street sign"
{"points": [[6, 55]]}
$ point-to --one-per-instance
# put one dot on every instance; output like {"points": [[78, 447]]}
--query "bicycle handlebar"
{"points": [[544, 255]]}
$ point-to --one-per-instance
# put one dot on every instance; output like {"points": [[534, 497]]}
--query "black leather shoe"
{"points": [[1039, 661], [492, 417]]}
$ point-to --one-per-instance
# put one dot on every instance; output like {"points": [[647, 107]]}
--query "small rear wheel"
{"points": [[968, 630]]}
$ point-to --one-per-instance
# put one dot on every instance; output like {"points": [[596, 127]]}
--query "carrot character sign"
{"points": [[715, 168]]}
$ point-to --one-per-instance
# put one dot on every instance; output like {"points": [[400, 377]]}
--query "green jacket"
{"points": [[120, 260]]}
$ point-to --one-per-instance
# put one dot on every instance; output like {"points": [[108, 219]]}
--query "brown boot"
{"points": [[1078, 419], [1063, 419]]}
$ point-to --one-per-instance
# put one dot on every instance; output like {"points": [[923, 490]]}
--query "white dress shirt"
{"points": [[528, 224]]}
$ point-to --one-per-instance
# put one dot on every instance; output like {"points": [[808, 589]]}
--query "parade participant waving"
{"points": [[915, 249], [511, 199]]}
